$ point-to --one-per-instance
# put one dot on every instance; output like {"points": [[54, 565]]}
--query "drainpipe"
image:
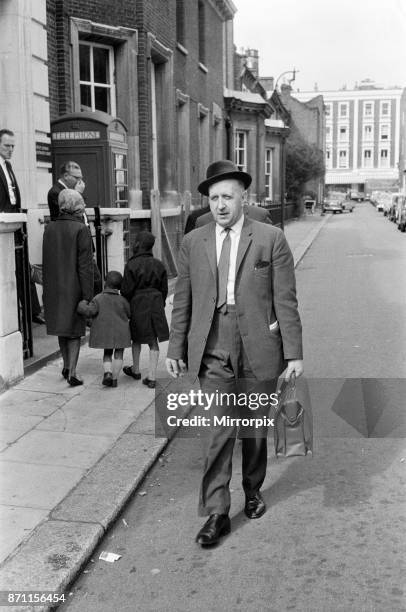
{"points": [[229, 139]]}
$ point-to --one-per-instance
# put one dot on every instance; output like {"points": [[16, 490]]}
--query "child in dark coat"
{"points": [[110, 328], [145, 286]]}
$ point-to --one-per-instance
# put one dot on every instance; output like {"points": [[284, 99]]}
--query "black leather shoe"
{"points": [[65, 373], [107, 379], [218, 525], [129, 371], [75, 382], [38, 319], [254, 506]]}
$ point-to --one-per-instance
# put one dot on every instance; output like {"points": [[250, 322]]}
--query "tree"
{"points": [[303, 162]]}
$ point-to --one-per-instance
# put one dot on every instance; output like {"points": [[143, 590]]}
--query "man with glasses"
{"points": [[70, 177]]}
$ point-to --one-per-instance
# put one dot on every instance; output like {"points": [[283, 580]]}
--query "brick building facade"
{"points": [[307, 122], [167, 65]]}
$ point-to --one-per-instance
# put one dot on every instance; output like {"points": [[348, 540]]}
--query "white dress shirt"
{"points": [[11, 192], [235, 233]]}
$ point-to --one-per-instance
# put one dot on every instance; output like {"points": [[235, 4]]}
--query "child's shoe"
{"points": [[129, 371], [108, 379], [150, 383]]}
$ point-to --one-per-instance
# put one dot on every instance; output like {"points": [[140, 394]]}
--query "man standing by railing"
{"points": [[10, 202]]}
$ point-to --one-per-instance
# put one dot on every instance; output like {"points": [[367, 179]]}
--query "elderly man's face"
{"points": [[7, 144], [72, 177], [226, 201]]}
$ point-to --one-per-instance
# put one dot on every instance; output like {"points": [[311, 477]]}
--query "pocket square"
{"points": [[274, 326], [261, 264]]}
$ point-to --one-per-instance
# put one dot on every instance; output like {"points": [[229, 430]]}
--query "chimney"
{"points": [[252, 60]]}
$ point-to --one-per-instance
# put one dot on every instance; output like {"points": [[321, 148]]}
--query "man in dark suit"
{"points": [[10, 199], [235, 303], [193, 217], [10, 202], [70, 177]]}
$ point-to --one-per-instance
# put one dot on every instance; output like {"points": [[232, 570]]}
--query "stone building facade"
{"points": [[363, 137]]}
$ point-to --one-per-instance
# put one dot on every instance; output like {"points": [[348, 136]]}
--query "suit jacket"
{"points": [[252, 212], [265, 292], [53, 205], [5, 204], [193, 217]]}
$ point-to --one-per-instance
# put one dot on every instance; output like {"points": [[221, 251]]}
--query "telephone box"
{"points": [[98, 143]]}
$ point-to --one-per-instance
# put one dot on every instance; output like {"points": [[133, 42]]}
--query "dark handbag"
{"points": [[293, 426], [36, 274]]}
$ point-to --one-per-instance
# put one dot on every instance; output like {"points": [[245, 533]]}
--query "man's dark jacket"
{"points": [[5, 204]]}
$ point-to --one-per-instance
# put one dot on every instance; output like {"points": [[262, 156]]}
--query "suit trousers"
{"points": [[225, 369]]}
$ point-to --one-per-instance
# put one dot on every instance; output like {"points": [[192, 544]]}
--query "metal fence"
{"points": [[275, 210], [23, 280]]}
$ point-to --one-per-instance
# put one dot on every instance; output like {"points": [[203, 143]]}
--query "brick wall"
{"points": [[204, 87], [117, 13]]}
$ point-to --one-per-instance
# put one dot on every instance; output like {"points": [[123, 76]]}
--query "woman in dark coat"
{"points": [[68, 278], [145, 286]]}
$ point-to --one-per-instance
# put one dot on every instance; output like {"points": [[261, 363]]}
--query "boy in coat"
{"points": [[110, 328]]}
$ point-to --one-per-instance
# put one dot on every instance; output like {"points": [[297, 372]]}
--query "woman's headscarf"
{"points": [[71, 202]]}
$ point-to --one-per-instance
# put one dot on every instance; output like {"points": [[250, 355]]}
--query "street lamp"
{"points": [[294, 72]]}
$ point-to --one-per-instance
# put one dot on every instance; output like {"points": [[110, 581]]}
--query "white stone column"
{"points": [[11, 345], [24, 99]]}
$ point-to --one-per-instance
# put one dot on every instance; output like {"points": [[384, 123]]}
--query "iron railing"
{"points": [[23, 281]]}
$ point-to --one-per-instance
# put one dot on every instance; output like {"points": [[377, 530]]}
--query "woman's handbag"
{"points": [[36, 273], [293, 425]]}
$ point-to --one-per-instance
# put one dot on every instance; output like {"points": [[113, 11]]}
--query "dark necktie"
{"points": [[222, 273], [12, 195], [10, 173]]}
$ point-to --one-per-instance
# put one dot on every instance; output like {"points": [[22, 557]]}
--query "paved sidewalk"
{"points": [[70, 458]]}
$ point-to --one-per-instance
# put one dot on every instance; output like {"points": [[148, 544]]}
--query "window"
{"points": [[385, 109], [343, 109], [367, 159], [328, 158], [342, 159], [368, 132], [368, 109], [202, 33], [268, 172], [180, 21], [343, 133], [328, 110], [120, 180], [384, 158], [328, 132], [240, 150], [384, 132], [97, 91]]}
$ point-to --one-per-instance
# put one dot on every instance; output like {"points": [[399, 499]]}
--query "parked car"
{"points": [[401, 213], [348, 205], [357, 195], [383, 201], [394, 207], [334, 202]]}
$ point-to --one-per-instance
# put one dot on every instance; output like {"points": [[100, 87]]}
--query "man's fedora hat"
{"points": [[220, 171]]}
